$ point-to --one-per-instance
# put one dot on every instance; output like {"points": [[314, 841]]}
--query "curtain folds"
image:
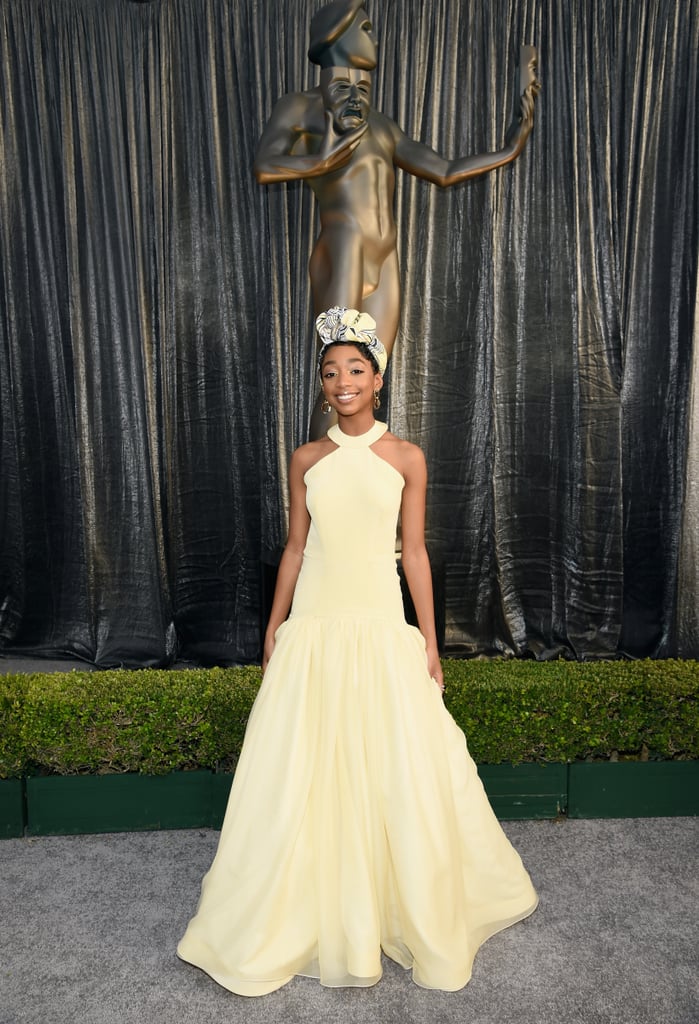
{"points": [[156, 347]]}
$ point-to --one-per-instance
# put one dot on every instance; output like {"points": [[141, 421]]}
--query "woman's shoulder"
{"points": [[405, 456], [407, 448], [308, 454]]}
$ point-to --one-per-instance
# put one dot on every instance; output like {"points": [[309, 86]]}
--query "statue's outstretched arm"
{"points": [[286, 131], [424, 162]]}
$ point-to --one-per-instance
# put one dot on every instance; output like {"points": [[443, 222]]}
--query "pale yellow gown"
{"points": [[356, 822]]}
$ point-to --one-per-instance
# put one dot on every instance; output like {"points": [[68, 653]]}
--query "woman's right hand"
{"points": [[267, 650]]}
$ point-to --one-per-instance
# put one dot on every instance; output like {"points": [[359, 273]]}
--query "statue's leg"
{"points": [[337, 279], [337, 269], [384, 302]]}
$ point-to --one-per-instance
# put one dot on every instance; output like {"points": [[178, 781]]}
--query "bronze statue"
{"points": [[332, 137]]}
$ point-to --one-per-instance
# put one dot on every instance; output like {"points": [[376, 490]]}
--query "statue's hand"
{"points": [[336, 150], [526, 104], [522, 125]]}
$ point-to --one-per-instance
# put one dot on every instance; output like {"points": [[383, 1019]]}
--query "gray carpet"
{"points": [[89, 924]]}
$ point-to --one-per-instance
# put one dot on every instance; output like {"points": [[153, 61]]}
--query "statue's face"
{"points": [[357, 46], [347, 94]]}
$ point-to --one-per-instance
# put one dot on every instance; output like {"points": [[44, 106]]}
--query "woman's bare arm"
{"points": [[416, 563], [290, 564]]}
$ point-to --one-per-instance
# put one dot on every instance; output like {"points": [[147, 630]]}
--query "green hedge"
{"points": [[159, 721], [568, 711], [143, 720]]}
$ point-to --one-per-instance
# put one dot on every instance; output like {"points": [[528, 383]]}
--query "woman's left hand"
{"points": [[434, 667]]}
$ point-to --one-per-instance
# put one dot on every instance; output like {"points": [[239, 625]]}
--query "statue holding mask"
{"points": [[347, 151]]}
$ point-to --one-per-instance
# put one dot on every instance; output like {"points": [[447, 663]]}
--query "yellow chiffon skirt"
{"points": [[356, 824]]}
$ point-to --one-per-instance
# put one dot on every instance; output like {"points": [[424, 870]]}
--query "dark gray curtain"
{"points": [[156, 355]]}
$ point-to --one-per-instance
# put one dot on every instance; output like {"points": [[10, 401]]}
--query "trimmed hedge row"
{"points": [[140, 720], [567, 711], [157, 721]]}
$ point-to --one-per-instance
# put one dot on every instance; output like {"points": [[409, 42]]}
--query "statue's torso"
{"points": [[359, 194]]}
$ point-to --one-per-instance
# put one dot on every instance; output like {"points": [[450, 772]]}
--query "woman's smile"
{"points": [[349, 381]]}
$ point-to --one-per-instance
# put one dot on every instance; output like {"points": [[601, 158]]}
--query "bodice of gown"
{"points": [[349, 565]]}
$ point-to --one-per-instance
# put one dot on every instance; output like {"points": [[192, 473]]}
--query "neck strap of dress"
{"points": [[337, 436]]}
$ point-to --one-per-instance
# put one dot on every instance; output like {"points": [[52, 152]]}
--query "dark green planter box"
{"points": [[525, 791], [11, 808], [220, 788], [633, 789], [74, 804]]}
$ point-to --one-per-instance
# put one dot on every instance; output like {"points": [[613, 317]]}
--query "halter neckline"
{"points": [[337, 436]]}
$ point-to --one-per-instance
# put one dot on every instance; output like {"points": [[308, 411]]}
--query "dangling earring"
{"points": [[325, 407], [377, 400]]}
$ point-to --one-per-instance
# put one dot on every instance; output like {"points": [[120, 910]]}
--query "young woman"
{"points": [[357, 822]]}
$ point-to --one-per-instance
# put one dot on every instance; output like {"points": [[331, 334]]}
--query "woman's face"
{"points": [[349, 379]]}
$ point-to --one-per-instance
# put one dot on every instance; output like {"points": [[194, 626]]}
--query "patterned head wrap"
{"points": [[349, 325]]}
